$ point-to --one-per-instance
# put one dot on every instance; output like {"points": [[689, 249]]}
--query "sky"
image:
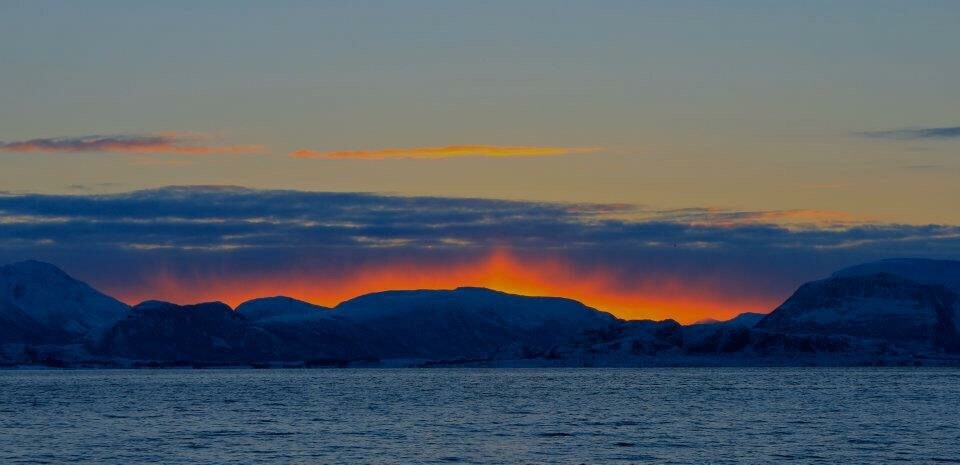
{"points": [[680, 159]]}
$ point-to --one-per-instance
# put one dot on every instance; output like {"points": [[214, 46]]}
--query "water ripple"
{"points": [[483, 416]]}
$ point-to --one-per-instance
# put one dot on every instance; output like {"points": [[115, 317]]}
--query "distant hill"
{"points": [[311, 332], [466, 323], [205, 332], [469, 322], [747, 319], [282, 309], [904, 311]]}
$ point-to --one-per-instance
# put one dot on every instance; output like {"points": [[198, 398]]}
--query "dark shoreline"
{"points": [[680, 362]]}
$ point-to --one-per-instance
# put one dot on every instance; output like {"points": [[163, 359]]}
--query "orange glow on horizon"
{"points": [[652, 298]]}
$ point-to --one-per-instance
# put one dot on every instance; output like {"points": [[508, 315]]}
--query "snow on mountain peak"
{"points": [[52, 298]]}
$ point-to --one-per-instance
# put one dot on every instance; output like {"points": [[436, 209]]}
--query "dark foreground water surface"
{"points": [[727, 415]]}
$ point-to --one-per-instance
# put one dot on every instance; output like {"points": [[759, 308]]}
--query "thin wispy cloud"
{"points": [[447, 151], [948, 132], [170, 143]]}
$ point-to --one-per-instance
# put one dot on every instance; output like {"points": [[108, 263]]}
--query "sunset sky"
{"points": [[661, 159]]}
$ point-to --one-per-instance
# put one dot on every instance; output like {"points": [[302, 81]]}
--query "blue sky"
{"points": [[759, 105]]}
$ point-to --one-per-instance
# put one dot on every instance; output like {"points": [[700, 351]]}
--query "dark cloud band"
{"points": [[215, 216]]}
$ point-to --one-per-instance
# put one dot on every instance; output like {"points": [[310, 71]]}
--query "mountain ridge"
{"points": [[844, 319]]}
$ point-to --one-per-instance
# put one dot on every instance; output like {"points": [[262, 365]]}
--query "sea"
{"points": [[481, 416]]}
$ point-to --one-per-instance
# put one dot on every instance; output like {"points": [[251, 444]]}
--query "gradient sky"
{"points": [[803, 116]]}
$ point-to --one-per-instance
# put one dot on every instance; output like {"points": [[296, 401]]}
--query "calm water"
{"points": [[730, 415]]}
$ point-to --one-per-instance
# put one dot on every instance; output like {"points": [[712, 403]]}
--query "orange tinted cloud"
{"points": [[447, 151], [135, 143], [801, 215], [651, 298]]}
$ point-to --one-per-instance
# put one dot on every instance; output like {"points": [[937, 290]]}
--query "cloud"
{"points": [[951, 132], [448, 151], [190, 243], [787, 218], [212, 216], [127, 143]]}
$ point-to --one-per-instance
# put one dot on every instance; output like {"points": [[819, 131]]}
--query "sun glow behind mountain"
{"points": [[651, 298]]}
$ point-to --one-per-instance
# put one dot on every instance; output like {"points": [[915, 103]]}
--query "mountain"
{"points": [[16, 327], [904, 311], [879, 306], [469, 322], [37, 296], [311, 332], [465, 323], [281, 309], [746, 319], [205, 332]]}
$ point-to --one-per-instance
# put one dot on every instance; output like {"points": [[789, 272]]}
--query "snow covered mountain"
{"points": [[877, 306], [893, 311], [311, 332], [205, 332], [469, 322], [281, 309], [425, 324], [39, 296], [746, 319], [16, 327]]}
